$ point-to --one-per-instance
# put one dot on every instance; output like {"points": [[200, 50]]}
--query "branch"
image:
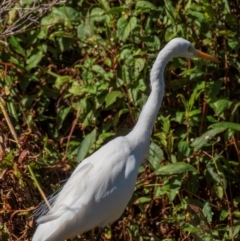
{"points": [[16, 17]]}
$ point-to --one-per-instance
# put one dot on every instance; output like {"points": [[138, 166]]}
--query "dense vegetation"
{"points": [[80, 76]]}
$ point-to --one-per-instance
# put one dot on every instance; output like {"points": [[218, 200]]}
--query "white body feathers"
{"points": [[96, 193], [101, 186]]}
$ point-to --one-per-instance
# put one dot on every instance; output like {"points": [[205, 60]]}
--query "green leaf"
{"points": [[219, 191], [105, 4], [104, 136], [179, 117], [16, 172], [61, 34], [85, 30], [47, 22], [227, 33], [12, 14], [118, 115], [152, 43], [204, 138], [184, 101], [191, 229], [60, 81], [220, 106], [194, 112], [34, 60], [155, 156], [184, 149], [233, 44], [125, 27], [226, 5], [16, 46], [108, 62], [215, 169], [175, 185], [145, 5], [195, 94], [27, 101], [62, 116], [227, 125], [67, 14], [116, 10], [209, 12], [142, 200], [98, 14], [236, 201], [196, 14], [76, 89], [139, 65], [163, 138], [207, 212], [176, 168], [165, 124], [224, 214], [112, 96], [98, 69], [86, 145], [236, 214], [169, 9]]}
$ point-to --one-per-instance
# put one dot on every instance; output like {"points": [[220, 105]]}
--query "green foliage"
{"points": [[81, 77]]}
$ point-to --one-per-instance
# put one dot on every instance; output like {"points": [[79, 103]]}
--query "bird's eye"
{"points": [[190, 49]]}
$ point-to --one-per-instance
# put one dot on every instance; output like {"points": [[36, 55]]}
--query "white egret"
{"points": [[101, 186]]}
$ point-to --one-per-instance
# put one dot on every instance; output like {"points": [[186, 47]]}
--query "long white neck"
{"points": [[143, 129]]}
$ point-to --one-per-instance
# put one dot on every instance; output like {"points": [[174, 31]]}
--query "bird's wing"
{"points": [[64, 199], [94, 178]]}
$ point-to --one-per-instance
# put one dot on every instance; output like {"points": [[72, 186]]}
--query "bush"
{"points": [[81, 76]]}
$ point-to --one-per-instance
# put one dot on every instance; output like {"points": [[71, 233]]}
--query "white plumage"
{"points": [[101, 186]]}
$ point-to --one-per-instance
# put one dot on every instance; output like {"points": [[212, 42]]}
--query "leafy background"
{"points": [[80, 77]]}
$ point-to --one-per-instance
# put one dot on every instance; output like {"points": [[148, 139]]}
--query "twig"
{"points": [[12, 130], [22, 18], [38, 186], [72, 129], [3, 42]]}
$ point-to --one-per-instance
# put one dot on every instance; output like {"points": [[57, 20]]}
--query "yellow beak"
{"points": [[202, 55]]}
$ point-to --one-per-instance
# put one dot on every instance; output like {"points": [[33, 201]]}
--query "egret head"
{"points": [[183, 48]]}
